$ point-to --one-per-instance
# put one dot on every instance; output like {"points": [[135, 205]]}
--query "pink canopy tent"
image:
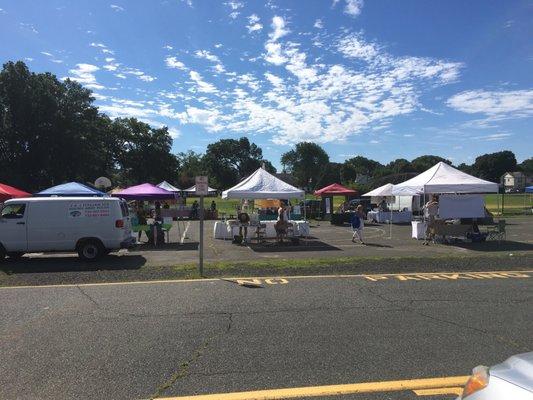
{"points": [[9, 192], [335, 190], [145, 191]]}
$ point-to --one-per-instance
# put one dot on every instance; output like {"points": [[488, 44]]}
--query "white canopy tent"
{"points": [[263, 185], [167, 186], [192, 190], [443, 178], [382, 191]]}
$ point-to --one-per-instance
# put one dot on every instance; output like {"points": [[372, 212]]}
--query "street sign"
{"points": [[202, 186]]}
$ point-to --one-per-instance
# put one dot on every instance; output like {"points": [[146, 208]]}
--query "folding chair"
{"points": [[497, 232]]}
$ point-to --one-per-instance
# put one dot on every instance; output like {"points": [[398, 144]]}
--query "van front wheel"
{"points": [[90, 250], [2, 253]]}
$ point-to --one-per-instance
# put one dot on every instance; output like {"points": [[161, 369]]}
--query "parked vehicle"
{"points": [[366, 203], [512, 379], [91, 226]]}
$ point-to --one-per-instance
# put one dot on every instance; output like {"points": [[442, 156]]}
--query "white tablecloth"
{"points": [[385, 216], [222, 230], [418, 229]]}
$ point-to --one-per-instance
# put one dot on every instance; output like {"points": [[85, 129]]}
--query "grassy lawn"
{"points": [[514, 203]]}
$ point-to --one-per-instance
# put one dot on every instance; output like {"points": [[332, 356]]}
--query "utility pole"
{"points": [[202, 189]]}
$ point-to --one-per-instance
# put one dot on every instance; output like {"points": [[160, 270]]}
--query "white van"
{"points": [[89, 225]]}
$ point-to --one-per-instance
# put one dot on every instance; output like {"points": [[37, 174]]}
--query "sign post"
{"points": [[201, 189]]}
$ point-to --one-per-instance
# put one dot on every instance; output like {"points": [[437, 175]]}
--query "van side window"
{"points": [[124, 208], [13, 211]]}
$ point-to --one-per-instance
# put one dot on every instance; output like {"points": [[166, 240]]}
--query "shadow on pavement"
{"points": [[504, 245], [165, 247], [303, 246], [28, 265], [378, 245]]}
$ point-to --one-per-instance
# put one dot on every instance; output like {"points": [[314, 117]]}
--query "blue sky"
{"points": [[383, 79]]}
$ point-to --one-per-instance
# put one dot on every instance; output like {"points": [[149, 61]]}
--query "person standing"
{"points": [[431, 210], [357, 222]]}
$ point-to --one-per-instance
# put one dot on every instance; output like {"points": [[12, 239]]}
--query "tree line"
{"points": [[51, 132]]}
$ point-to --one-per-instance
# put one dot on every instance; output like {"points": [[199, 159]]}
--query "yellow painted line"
{"points": [[286, 277], [439, 391], [332, 390]]}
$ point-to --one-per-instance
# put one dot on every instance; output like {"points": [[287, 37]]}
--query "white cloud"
{"points": [[274, 54], [201, 85], [168, 47], [279, 29], [174, 133], [354, 46], [147, 78], [494, 103], [206, 55], [188, 2], [353, 7], [253, 23], [99, 45], [172, 62], [234, 6], [46, 53], [318, 24], [84, 74], [497, 136], [116, 8], [29, 27]]}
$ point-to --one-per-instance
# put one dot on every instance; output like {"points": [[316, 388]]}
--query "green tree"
{"points": [[527, 166], [357, 166], [49, 130], [465, 168], [230, 160], [143, 152], [400, 166], [332, 173], [190, 165], [423, 163], [306, 162], [492, 166]]}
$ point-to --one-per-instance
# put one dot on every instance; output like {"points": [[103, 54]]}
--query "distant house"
{"points": [[515, 181]]}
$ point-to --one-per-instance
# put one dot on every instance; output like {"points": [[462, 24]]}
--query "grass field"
{"points": [[513, 203]]}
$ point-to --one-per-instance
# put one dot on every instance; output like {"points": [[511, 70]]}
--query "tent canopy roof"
{"points": [[382, 191], [443, 178], [145, 191], [167, 186], [71, 189], [9, 192], [335, 189], [262, 185], [192, 189]]}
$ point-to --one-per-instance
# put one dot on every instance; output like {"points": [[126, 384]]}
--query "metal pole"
{"points": [[201, 248]]}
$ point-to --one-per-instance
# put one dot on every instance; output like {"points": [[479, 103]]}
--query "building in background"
{"points": [[515, 181]]}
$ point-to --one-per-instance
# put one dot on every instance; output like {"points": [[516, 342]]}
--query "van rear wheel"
{"points": [[2, 253], [90, 250]]}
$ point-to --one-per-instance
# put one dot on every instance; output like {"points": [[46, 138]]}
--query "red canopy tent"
{"points": [[335, 189], [8, 192]]}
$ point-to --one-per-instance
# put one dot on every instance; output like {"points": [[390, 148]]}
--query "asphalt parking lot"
{"points": [[325, 240], [200, 337]]}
